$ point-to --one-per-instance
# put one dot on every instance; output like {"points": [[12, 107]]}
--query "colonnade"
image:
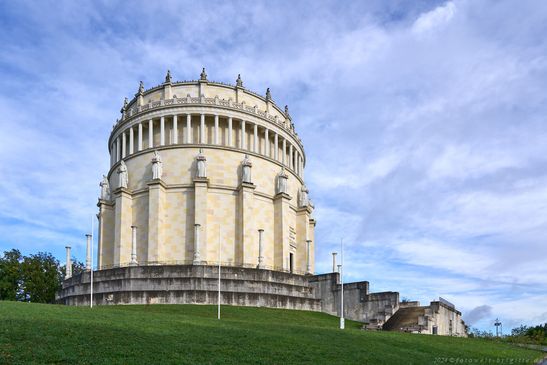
{"points": [[239, 133]]}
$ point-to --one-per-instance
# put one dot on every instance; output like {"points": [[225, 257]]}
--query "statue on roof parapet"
{"points": [[203, 75], [168, 77]]}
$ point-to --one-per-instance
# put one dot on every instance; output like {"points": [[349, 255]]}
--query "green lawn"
{"points": [[191, 334]]}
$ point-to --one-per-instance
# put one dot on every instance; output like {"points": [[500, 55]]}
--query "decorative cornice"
{"points": [[201, 180], [105, 202], [121, 191], [155, 182], [134, 111], [282, 196], [246, 185], [307, 209]]}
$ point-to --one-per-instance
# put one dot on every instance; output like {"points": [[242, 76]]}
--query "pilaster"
{"points": [[201, 186], [239, 93], [105, 229], [156, 203], [303, 216], [281, 231], [311, 236], [123, 221], [167, 91], [246, 250]]}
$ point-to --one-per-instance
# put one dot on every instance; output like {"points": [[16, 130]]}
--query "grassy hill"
{"points": [[191, 334]]}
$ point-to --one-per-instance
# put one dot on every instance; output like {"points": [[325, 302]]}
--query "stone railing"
{"points": [[286, 124]]}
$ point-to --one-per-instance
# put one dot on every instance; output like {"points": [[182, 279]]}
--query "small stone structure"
{"points": [[439, 317]]}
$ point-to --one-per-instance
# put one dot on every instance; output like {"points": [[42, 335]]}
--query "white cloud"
{"points": [[464, 161], [434, 18]]}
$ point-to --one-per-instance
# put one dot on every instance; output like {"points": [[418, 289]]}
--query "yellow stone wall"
{"points": [[165, 211]]}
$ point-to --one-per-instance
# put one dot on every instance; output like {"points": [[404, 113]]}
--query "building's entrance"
{"points": [[291, 262]]}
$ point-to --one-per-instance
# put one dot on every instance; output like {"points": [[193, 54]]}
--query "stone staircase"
{"points": [[410, 319]]}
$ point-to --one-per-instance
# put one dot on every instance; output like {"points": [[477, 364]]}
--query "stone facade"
{"points": [[225, 125], [191, 284]]}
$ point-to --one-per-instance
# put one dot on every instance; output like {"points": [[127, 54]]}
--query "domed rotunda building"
{"points": [[203, 172], [205, 201], [197, 163]]}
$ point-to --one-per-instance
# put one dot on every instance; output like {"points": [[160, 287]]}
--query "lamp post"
{"points": [[497, 323]]}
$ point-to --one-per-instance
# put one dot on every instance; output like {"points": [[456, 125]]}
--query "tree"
{"points": [[41, 277], [10, 275]]}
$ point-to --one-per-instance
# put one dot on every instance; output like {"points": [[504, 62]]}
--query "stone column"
{"points": [[175, 130], [123, 220], [266, 143], [139, 142], [246, 252], [88, 253], [202, 129], [255, 140], [230, 132], [133, 245], [106, 233], [216, 128], [308, 258], [118, 149], [68, 267], [281, 231], [124, 144], [243, 143], [260, 249], [291, 162], [311, 237], [283, 158], [131, 138], [150, 133], [162, 131], [156, 204], [302, 236], [197, 255], [201, 186], [276, 147], [334, 261], [188, 128]]}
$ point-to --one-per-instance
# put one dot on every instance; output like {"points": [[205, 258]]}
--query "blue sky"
{"points": [[424, 124]]}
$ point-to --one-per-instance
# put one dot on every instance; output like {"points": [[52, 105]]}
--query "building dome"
{"points": [[198, 165]]}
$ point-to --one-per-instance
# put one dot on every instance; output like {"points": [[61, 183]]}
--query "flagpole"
{"points": [[342, 322], [91, 274], [219, 271]]}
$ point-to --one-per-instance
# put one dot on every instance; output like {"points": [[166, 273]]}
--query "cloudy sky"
{"points": [[424, 122]]}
